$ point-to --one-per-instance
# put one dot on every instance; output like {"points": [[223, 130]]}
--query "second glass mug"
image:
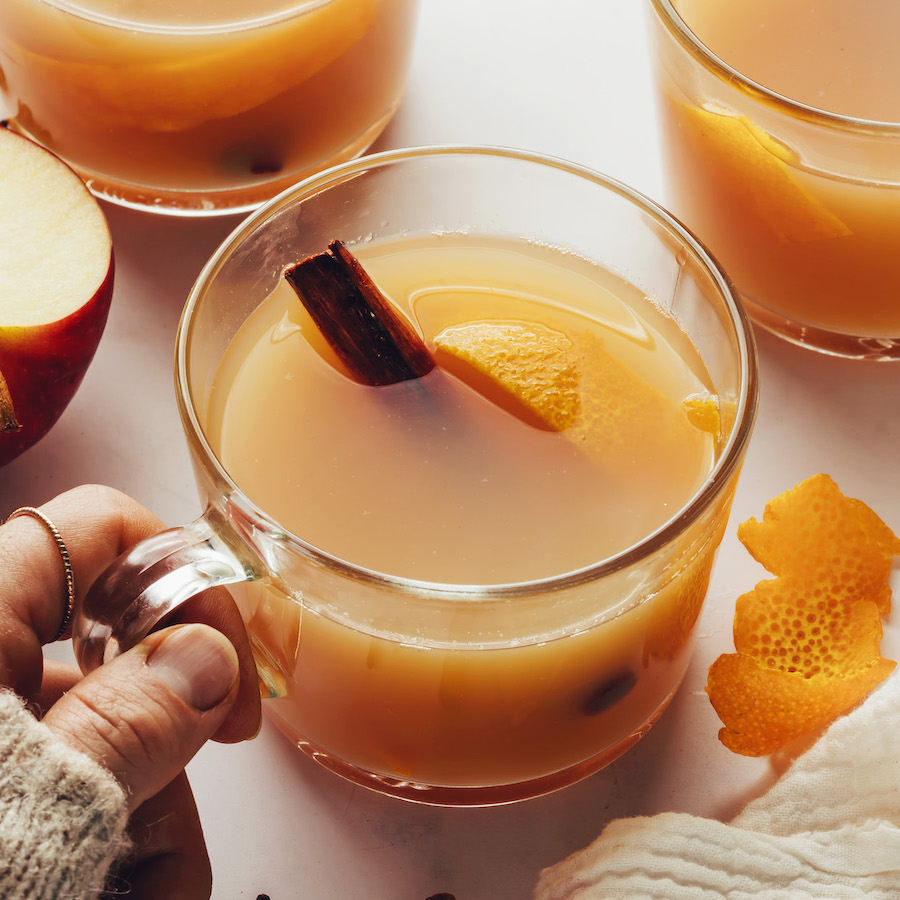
{"points": [[450, 694], [211, 109], [800, 205]]}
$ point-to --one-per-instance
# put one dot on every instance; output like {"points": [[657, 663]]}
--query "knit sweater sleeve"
{"points": [[62, 816]]}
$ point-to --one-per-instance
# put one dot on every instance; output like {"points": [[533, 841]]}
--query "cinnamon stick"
{"points": [[370, 336]]}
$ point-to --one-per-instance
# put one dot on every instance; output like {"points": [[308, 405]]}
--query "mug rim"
{"points": [[679, 29], [74, 8], [719, 476]]}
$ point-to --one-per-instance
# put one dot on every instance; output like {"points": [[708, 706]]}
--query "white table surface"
{"points": [[569, 78]]}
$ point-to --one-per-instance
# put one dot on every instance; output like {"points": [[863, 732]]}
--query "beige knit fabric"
{"points": [[62, 816]]}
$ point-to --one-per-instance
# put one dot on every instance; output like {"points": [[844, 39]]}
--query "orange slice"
{"points": [[625, 422], [573, 384], [527, 369], [760, 170]]}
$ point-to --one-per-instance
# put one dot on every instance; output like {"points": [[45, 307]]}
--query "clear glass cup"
{"points": [[801, 206], [496, 692], [200, 108]]}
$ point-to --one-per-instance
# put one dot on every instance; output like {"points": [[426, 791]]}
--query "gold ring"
{"points": [[67, 563]]}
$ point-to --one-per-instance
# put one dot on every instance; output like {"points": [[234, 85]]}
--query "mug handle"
{"points": [[149, 582]]}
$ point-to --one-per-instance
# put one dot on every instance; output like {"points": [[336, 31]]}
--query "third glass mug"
{"points": [[799, 203], [199, 108], [428, 690]]}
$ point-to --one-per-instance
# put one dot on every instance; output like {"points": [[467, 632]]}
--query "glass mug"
{"points": [[449, 694], [210, 110], [800, 205]]}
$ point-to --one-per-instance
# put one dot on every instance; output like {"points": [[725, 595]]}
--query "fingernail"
{"points": [[198, 663]]}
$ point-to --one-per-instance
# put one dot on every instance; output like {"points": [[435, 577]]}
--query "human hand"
{"points": [[143, 715]]}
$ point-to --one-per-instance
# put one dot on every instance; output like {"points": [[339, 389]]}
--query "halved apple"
{"points": [[56, 280]]}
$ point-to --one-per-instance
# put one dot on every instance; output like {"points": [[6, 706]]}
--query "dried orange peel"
{"points": [[807, 641]]}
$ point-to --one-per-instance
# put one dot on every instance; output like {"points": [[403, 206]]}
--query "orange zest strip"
{"points": [[807, 641]]}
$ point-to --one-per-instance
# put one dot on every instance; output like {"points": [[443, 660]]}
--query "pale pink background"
{"points": [[569, 78]]}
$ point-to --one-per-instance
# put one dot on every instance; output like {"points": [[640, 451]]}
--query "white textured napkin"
{"points": [[829, 828]]}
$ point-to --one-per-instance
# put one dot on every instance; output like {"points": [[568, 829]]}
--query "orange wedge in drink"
{"points": [[762, 172], [572, 384]]}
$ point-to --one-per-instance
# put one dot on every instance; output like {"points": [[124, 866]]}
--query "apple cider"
{"points": [[207, 106], [795, 188], [433, 481]]}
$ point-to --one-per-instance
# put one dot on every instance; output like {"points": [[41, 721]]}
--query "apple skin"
{"points": [[43, 365]]}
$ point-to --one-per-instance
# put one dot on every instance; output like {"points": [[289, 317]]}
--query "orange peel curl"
{"points": [[808, 641]]}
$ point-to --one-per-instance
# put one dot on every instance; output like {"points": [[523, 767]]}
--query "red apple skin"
{"points": [[44, 365]]}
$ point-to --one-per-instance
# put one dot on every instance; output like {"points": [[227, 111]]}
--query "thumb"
{"points": [[146, 713]]}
